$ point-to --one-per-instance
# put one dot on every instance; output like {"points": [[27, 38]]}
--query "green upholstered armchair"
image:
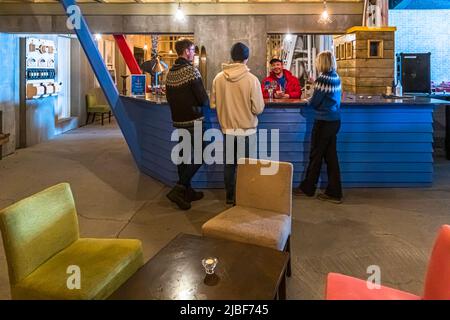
{"points": [[42, 244], [95, 103]]}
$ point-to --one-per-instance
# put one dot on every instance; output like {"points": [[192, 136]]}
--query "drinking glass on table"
{"points": [[273, 87], [282, 90], [268, 87]]}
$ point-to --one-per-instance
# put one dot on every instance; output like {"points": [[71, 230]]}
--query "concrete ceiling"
{"points": [[182, 1], [190, 7]]}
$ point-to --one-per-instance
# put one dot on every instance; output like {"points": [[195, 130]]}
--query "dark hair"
{"points": [[275, 60], [239, 52], [183, 44]]}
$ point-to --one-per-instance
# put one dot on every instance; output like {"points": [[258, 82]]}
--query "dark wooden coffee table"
{"points": [[244, 271]]}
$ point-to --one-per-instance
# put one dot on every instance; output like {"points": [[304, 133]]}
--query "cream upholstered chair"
{"points": [[262, 215]]}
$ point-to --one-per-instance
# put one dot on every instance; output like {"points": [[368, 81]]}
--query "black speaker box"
{"points": [[413, 71]]}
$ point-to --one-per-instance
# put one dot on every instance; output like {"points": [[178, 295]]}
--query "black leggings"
{"points": [[323, 146]]}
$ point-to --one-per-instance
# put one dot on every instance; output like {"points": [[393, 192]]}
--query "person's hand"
{"points": [[286, 96], [279, 95]]}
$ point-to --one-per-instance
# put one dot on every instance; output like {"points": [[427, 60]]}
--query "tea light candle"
{"points": [[209, 261]]}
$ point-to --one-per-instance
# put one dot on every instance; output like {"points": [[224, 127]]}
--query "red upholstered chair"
{"points": [[437, 282]]}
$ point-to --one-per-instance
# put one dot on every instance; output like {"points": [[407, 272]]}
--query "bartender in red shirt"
{"points": [[285, 79]]}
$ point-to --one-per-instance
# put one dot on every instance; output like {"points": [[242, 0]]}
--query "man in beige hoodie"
{"points": [[237, 97]]}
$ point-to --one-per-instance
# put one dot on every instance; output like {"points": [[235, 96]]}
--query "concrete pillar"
{"points": [[217, 34]]}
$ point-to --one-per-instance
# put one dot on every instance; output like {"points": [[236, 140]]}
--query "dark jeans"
{"points": [[230, 168], [323, 146], [187, 170]]}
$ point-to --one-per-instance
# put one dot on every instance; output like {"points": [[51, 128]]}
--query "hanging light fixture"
{"points": [[179, 14], [325, 16]]}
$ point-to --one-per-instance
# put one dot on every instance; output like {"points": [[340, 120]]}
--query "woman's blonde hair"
{"points": [[326, 62]]}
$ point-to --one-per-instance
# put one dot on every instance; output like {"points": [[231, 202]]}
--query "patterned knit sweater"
{"points": [[326, 99], [185, 93]]}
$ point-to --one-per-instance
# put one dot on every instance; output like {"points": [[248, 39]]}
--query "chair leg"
{"points": [[93, 117], [103, 115], [87, 118], [288, 250], [281, 294], [110, 117]]}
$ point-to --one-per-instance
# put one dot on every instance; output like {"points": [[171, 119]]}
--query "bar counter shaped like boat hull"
{"points": [[381, 143]]}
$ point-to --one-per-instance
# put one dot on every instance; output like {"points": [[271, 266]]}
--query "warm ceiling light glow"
{"points": [[145, 47], [179, 14], [98, 36], [325, 16]]}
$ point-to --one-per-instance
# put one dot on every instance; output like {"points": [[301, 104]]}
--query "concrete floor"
{"points": [[391, 228]]}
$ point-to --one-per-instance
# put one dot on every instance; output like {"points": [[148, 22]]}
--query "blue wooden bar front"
{"points": [[381, 143]]}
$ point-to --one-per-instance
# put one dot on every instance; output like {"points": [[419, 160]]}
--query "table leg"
{"points": [[282, 288]]}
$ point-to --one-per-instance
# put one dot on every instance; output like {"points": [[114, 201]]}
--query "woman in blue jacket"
{"points": [[326, 101]]}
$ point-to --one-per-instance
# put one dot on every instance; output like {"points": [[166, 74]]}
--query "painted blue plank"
{"points": [[356, 127], [305, 146], [220, 185], [368, 157], [302, 147], [350, 117], [357, 109], [156, 142], [299, 167], [356, 147], [156, 125], [346, 177], [364, 137]]}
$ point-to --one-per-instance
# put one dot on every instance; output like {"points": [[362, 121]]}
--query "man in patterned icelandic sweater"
{"points": [[186, 96]]}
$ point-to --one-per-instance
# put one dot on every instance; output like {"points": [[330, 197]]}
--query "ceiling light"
{"points": [[179, 14], [288, 37], [98, 36], [324, 16], [145, 47]]}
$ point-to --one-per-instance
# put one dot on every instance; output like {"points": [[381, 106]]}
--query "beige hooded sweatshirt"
{"points": [[237, 96]]}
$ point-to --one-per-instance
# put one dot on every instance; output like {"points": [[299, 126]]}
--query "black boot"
{"points": [[178, 196], [192, 195], [231, 198]]}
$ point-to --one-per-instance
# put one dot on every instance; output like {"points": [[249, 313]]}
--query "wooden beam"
{"points": [[191, 9]]}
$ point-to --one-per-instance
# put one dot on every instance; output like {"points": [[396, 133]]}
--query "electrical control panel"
{"points": [[40, 67]]}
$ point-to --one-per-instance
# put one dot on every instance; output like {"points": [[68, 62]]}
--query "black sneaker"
{"points": [[192, 195], [325, 197], [230, 199], [299, 192], [178, 196]]}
